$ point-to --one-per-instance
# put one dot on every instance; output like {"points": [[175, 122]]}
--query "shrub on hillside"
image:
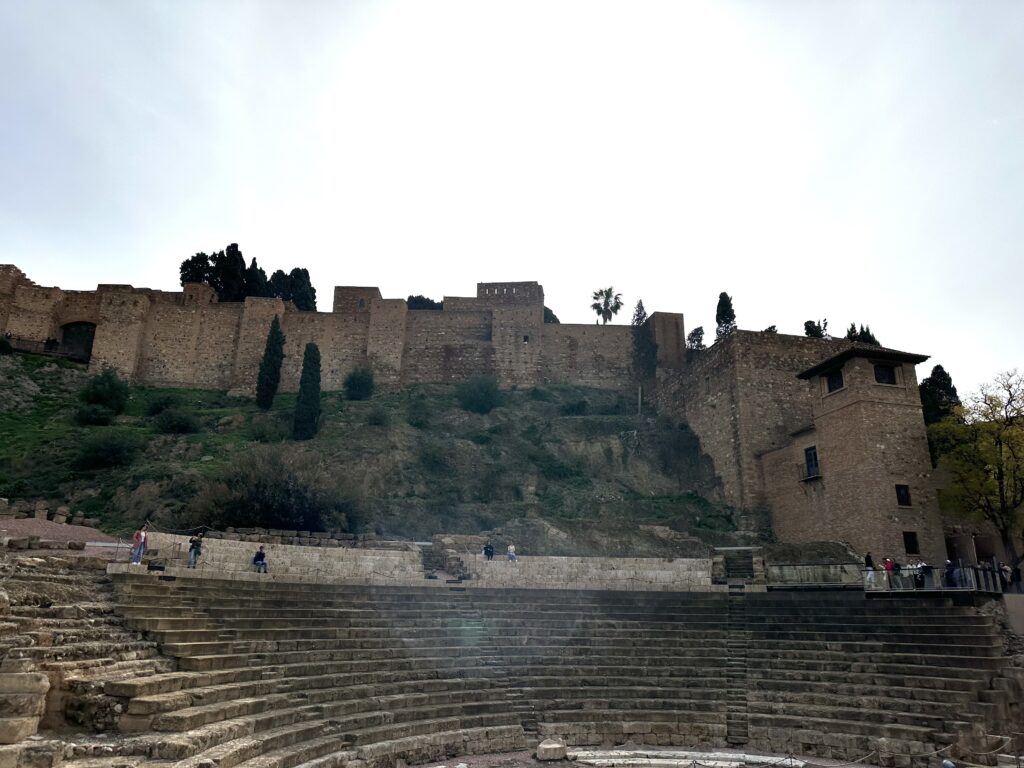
{"points": [[274, 487], [378, 417], [479, 394], [268, 429], [108, 448], [176, 421], [418, 414], [106, 389], [5, 347], [94, 415], [160, 403], [359, 384], [574, 408]]}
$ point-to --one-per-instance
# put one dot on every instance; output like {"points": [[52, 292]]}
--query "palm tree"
{"points": [[607, 303]]}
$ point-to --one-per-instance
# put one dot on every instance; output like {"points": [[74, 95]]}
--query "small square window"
{"points": [[362, 303], [526, 339], [885, 374], [903, 495], [910, 545], [834, 379]]}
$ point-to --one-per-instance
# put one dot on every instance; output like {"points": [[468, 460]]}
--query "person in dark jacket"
{"points": [[259, 561]]}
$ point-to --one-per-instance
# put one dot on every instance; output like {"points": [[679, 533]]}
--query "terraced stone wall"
{"points": [[591, 573]]}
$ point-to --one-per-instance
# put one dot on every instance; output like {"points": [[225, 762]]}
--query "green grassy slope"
{"points": [[566, 468]]}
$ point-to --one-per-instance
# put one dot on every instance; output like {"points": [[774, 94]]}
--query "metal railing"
{"points": [[50, 348], [959, 577]]}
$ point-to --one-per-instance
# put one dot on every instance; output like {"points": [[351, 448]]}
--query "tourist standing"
{"points": [[489, 551], [869, 571], [195, 549], [139, 544]]}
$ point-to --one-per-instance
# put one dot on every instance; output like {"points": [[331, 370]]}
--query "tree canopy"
{"points": [[607, 303], [725, 317], [862, 334], [549, 316], [981, 446], [695, 339], [816, 329], [226, 273], [939, 398], [422, 302]]}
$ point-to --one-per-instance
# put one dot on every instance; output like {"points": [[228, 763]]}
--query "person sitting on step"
{"points": [[259, 561]]}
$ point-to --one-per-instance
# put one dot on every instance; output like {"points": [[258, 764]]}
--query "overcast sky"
{"points": [[856, 161]]}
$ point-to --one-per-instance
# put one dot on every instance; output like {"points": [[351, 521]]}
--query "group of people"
{"points": [[895, 575], [920, 575], [195, 550], [511, 551]]}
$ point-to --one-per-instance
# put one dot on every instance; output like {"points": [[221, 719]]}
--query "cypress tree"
{"points": [[307, 406], [270, 366], [725, 316], [645, 350]]}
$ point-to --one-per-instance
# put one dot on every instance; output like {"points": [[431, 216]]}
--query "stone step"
{"points": [[227, 744], [303, 752]]}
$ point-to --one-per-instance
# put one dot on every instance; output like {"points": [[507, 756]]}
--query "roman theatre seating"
{"points": [[270, 671]]}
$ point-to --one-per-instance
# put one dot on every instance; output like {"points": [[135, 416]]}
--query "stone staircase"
{"points": [[737, 644], [278, 674]]}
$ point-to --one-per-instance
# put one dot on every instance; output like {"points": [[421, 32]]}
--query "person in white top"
{"points": [[139, 544], [512, 553]]}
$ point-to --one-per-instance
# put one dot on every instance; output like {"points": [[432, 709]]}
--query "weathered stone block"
{"points": [[551, 749], [20, 683], [15, 729]]}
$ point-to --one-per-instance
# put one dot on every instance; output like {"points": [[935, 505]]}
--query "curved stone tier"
{"points": [[276, 674]]}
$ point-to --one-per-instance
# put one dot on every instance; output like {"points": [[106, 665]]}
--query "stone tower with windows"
{"points": [[859, 472]]}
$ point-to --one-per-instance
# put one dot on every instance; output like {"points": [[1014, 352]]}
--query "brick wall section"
{"points": [[516, 334], [385, 344], [340, 337], [448, 346], [120, 333], [670, 336], [256, 318], [703, 395], [78, 307], [10, 278], [588, 355], [33, 312]]}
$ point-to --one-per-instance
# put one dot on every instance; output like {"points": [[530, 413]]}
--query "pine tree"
{"points": [[725, 317], [307, 406], [816, 330], [270, 366], [938, 396], [862, 335], [695, 339]]}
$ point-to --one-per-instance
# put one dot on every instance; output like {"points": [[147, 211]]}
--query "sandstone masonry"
{"points": [[823, 437]]}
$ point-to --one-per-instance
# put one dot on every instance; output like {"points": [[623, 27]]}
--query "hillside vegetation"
{"points": [[561, 469]]}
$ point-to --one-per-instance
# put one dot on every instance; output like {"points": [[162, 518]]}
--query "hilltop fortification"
{"points": [[823, 437]]}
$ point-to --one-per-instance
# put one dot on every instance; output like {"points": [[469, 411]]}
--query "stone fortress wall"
{"points": [[744, 398]]}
